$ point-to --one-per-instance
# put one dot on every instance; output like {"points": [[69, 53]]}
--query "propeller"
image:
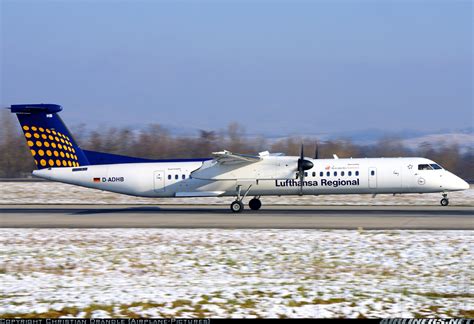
{"points": [[303, 165], [316, 150]]}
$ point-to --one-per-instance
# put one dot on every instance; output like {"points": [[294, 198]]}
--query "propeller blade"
{"points": [[301, 181], [303, 165], [301, 169], [316, 151]]}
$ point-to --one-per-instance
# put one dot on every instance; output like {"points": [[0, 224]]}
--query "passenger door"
{"points": [[372, 178]]}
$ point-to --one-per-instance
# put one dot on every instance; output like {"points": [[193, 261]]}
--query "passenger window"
{"points": [[183, 177], [335, 173], [372, 172], [176, 177], [314, 174], [328, 173], [342, 173], [357, 173], [321, 173], [169, 176], [349, 173], [424, 167], [436, 166], [306, 174]]}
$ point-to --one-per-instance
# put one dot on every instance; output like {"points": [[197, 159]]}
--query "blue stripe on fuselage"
{"points": [[97, 158]]}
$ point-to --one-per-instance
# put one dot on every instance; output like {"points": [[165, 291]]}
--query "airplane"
{"points": [[59, 158]]}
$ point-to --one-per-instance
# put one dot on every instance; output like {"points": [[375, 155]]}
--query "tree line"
{"points": [[155, 142]]}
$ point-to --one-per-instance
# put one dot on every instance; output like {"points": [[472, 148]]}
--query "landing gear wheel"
{"points": [[255, 204], [444, 202], [237, 206]]}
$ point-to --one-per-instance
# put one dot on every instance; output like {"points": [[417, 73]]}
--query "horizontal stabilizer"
{"points": [[35, 108]]}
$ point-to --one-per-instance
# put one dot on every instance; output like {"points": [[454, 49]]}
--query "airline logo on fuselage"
{"points": [[314, 183]]}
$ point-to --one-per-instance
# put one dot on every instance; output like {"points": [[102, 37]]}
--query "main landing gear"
{"points": [[237, 206], [445, 200], [255, 203]]}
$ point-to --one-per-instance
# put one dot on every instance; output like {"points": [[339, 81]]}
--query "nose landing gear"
{"points": [[445, 200]]}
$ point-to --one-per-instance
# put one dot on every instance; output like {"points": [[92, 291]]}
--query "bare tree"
{"points": [[16, 159]]}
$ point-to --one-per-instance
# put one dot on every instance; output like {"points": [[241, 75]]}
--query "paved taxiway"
{"points": [[200, 216]]}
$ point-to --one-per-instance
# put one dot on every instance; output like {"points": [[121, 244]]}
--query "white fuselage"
{"points": [[273, 175]]}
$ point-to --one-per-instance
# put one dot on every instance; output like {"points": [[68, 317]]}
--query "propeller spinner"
{"points": [[303, 165]]}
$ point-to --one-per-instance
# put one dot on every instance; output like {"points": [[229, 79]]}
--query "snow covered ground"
{"points": [[236, 273], [58, 193]]}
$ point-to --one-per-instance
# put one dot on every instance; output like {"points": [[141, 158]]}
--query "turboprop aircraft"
{"points": [[59, 158]]}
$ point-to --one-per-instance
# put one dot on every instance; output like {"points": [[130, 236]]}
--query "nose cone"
{"points": [[456, 183], [463, 184]]}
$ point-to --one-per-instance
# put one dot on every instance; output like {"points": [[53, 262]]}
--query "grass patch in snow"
{"points": [[181, 303], [446, 295], [319, 301], [467, 313]]}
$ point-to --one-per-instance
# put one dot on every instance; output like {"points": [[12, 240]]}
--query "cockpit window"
{"points": [[424, 167], [436, 166]]}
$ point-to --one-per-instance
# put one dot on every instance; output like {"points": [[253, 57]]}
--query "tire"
{"points": [[444, 202], [255, 204], [237, 206]]}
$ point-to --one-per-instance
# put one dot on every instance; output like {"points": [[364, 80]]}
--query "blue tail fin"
{"points": [[49, 140]]}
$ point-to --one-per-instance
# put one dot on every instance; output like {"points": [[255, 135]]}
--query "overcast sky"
{"points": [[274, 66]]}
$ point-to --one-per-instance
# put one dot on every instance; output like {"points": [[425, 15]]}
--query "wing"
{"points": [[229, 158]]}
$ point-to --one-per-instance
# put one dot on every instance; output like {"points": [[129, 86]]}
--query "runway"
{"points": [[219, 216]]}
